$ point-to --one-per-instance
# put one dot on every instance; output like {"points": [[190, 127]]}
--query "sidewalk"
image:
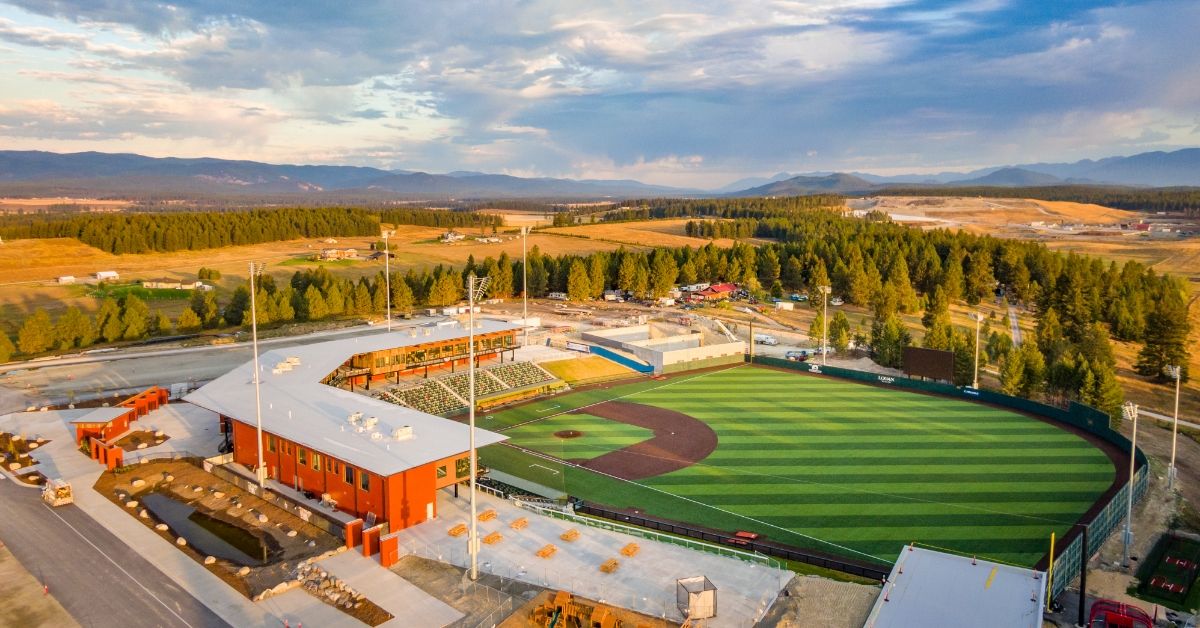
{"points": [[409, 605]]}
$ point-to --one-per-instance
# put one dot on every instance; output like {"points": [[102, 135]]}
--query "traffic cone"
{"points": [[972, 559]]}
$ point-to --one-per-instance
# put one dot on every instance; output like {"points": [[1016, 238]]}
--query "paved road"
{"points": [[89, 570], [1015, 325]]}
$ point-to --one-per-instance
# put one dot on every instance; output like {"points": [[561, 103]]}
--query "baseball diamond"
{"points": [[813, 462]]}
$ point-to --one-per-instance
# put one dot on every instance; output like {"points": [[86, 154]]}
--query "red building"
{"points": [[368, 456]]}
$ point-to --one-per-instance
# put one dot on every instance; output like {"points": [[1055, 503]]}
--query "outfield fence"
{"points": [[1069, 559]]}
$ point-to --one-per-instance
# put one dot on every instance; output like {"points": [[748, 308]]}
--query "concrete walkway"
{"points": [[644, 583], [409, 605]]}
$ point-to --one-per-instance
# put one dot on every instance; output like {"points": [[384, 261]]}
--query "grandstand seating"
{"points": [[484, 385], [429, 397], [520, 374]]}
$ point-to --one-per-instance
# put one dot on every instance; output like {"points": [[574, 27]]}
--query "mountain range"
{"points": [[138, 176]]}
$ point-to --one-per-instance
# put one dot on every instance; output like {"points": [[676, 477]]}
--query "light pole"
{"points": [[1176, 372], [524, 286], [476, 287], [260, 471], [387, 274], [1130, 411], [825, 291], [978, 319]]}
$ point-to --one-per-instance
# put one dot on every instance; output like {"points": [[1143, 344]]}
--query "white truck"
{"points": [[57, 493], [765, 339]]}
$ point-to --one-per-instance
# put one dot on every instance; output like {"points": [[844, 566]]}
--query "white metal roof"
{"points": [[101, 415], [297, 407], [931, 588]]}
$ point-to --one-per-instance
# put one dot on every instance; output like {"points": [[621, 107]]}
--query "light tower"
{"points": [[260, 471], [825, 291], [1176, 373], [978, 319], [524, 286], [387, 274], [476, 287], [1130, 412]]}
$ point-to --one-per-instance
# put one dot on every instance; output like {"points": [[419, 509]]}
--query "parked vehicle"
{"points": [[836, 301], [797, 356], [765, 339], [57, 492], [799, 298]]}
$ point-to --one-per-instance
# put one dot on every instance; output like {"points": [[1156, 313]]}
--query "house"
{"points": [[162, 284], [106, 275], [716, 292], [337, 254], [66, 280], [374, 459]]}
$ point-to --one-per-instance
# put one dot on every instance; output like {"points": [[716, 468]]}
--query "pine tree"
{"points": [[161, 323], [188, 321], [503, 281], [1034, 369], [1012, 373], [238, 308], [579, 284], [663, 273], [445, 290], [839, 332], [74, 329], [817, 330], [402, 298], [135, 318], [6, 347], [1166, 335], [687, 273], [1108, 395], [36, 334], [204, 304], [888, 340], [597, 274], [315, 307]]}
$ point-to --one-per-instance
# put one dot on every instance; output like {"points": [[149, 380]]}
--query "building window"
{"points": [[350, 475], [462, 467], [270, 443], [328, 464], [303, 455], [364, 481], [441, 472], [316, 461]]}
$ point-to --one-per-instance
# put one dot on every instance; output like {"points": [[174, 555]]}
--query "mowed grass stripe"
{"points": [[864, 467]]}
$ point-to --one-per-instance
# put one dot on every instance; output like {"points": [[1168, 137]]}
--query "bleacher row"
{"points": [[449, 393]]}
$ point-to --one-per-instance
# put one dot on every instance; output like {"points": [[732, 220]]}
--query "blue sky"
{"points": [[682, 93]]}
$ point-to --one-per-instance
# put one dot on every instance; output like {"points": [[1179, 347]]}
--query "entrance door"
{"points": [[429, 511]]}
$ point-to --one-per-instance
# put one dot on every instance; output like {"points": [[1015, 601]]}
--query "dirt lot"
{"points": [[223, 501], [988, 214], [813, 601], [47, 204], [140, 437], [493, 599]]}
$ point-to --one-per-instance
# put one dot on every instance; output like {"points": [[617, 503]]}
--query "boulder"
{"points": [[291, 533], [121, 496], [168, 477], [208, 560], [33, 445], [196, 489], [219, 494], [138, 483], [181, 541], [13, 466], [262, 518], [144, 514], [162, 527], [244, 571], [159, 434], [142, 445], [131, 503]]}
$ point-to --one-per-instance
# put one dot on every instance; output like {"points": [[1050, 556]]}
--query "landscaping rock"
{"points": [[168, 477], [138, 483], [162, 527], [196, 489], [144, 461], [244, 571], [181, 541], [219, 495], [311, 544], [142, 445], [131, 503], [291, 533], [33, 445], [262, 518], [121, 496], [13, 466], [159, 434], [144, 514], [208, 560]]}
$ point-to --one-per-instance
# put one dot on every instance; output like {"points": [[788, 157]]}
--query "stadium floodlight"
{"points": [[978, 316], [387, 274], [825, 290], [1130, 412], [524, 286], [1175, 372], [260, 471], [476, 288]]}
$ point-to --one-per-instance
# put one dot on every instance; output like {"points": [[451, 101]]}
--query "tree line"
{"points": [[125, 232]]}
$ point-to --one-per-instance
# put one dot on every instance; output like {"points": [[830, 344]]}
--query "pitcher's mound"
{"points": [[568, 434]]}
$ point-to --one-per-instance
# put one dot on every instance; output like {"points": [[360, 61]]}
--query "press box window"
{"points": [[364, 481], [316, 461], [349, 475], [270, 443], [303, 453]]}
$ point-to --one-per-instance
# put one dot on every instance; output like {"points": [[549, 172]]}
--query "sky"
{"points": [[694, 93]]}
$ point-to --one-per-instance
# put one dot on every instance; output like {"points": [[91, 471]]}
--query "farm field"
{"points": [[668, 232], [837, 466]]}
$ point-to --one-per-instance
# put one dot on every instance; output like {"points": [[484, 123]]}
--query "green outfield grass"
{"points": [[830, 464]]}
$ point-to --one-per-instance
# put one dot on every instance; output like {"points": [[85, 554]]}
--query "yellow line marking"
{"points": [[991, 576]]}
